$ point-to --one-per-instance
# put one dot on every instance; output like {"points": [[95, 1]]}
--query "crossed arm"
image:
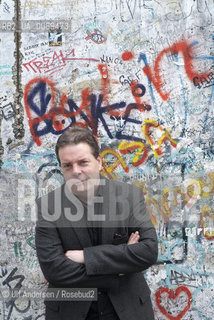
{"points": [[98, 266], [103, 266], [78, 255]]}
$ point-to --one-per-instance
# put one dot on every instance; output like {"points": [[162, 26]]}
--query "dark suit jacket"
{"points": [[129, 293]]}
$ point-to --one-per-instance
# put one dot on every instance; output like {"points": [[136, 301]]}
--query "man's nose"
{"points": [[76, 169]]}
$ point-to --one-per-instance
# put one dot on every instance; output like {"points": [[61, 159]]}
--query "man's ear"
{"points": [[99, 159]]}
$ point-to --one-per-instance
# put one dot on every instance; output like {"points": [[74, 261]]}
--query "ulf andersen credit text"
{"points": [[59, 294]]}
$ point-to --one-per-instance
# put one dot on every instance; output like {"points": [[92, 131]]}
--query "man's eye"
{"points": [[66, 166], [84, 161]]}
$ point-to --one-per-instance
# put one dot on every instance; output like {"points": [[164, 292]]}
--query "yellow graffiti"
{"points": [[178, 191], [194, 189], [165, 203], [193, 193], [112, 167], [185, 197], [207, 190], [156, 148], [199, 188], [152, 202], [140, 155], [140, 185], [207, 222]]}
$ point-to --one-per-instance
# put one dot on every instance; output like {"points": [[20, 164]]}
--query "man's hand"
{"points": [[134, 238], [75, 255]]}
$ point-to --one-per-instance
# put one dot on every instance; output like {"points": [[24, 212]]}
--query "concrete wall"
{"points": [[139, 73]]}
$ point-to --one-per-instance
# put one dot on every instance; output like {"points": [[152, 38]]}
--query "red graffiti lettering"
{"points": [[52, 64], [155, 76], [138, 90]]}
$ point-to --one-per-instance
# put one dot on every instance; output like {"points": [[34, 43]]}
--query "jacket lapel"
{"points": [[111, 227]]}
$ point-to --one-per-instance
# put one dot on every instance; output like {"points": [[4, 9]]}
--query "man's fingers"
{"points": [[134, 238], [67, 253]]}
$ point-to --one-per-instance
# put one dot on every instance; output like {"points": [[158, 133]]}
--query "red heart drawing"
{"points": [[173, 294]]}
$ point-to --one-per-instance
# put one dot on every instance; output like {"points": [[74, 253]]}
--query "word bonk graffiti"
{"points": [[45, 116], [41, 106]]}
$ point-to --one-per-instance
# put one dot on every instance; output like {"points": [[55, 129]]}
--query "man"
{"points": [[94, 233]]}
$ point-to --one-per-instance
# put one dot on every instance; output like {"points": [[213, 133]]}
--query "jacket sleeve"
{"points": [[58, 270], [123, 258]]}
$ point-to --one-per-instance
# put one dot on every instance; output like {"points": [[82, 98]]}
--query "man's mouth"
{"points": [[79, 181]]}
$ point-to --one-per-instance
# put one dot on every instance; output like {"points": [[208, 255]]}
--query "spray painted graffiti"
{"points": [[183, 298], [13, 282], [140, 75], [96, 36], [40, 100], [52, 64], [154, 76]]}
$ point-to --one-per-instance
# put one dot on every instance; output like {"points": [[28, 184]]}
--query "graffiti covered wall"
{"points": [[140, 74]]}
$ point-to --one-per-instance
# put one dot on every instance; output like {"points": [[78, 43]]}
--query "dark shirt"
{"points": [[102, 309]]}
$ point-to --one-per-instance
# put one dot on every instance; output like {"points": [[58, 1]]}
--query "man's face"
{"points": [[79, 166]]}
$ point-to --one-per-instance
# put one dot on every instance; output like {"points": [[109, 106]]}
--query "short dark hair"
{"points": [[75, 135]]}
